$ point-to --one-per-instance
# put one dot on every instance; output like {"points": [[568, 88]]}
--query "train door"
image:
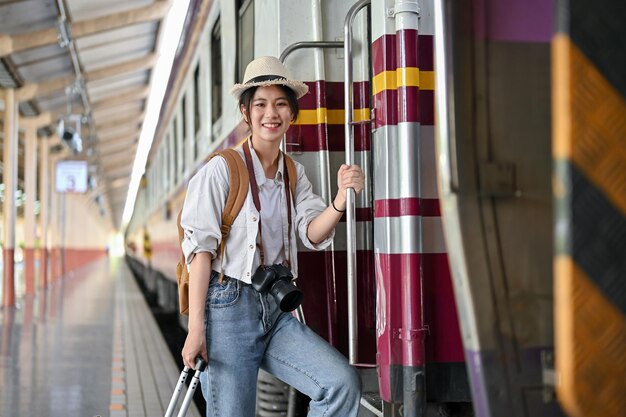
{"points": [[406, 318], [317, 140], [493, 91], [420, 353]]}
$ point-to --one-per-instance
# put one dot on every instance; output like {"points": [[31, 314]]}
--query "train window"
{"points": [[165, 163], [245, 36], [183, 122], [174, 139], [216, 73], [196, 101], [184, 117], [165, 173]]}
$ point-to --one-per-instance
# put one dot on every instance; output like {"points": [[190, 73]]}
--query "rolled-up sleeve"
{"points": [[201, 217], [308, 206]]}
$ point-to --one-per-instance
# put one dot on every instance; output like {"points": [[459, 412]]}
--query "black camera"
{"points": [[276, 279]]}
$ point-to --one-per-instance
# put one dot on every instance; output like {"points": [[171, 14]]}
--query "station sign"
{"points": [[71, 176]]}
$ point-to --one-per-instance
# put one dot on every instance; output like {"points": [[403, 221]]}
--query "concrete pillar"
{"points": [[30, 190], [10, 186], [53, 225], [44, 213]]}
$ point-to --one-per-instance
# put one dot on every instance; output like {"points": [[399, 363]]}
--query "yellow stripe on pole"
{"points": [[403, 77], [311, 117], [331, 117], [385, 80]]}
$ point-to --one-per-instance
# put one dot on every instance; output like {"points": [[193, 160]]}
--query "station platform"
{"points": [[86, 346]]}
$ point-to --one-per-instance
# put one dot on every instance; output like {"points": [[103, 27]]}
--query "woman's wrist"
{"points": [[341, 208], [195, 324]]}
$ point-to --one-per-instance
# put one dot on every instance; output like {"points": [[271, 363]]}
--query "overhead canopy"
{"points": [[91, 59]]}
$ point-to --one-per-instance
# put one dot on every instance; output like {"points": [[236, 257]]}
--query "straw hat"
{"points": [[268, 70]]}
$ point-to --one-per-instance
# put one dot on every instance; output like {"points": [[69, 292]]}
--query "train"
{"points": [[452, 283]]}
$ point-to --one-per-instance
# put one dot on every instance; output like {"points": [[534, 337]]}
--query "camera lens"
{"points": [[287, 295]]}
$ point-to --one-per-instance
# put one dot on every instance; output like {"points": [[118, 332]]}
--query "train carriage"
{"points": [[446, 256]]}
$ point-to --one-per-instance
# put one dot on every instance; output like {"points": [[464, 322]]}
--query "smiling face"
{"points": [[269, 112]]}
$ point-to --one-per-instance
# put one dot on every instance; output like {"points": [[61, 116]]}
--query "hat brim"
{"points": [[298, 87]]}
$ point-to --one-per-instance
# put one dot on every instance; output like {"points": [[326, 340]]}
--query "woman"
{"points": [[232, 325]]}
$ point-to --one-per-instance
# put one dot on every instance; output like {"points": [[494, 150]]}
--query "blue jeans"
{"points": [[245, 331]]}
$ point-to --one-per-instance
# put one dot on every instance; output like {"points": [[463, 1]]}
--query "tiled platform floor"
{"points": [[88, 346]]}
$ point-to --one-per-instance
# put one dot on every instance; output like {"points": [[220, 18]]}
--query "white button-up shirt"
{"points": [[202, 216]]}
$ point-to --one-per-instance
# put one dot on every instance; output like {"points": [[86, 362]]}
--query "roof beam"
{"points": [[132, 95], [119, 139], [111, 124], [30, 91], [41, 120], [122, 132], [125, 168], [117, 151], [119, 183], [106, 115], [115, 143], [119, 163], [22, 42], [135, 65], [118, 175]]}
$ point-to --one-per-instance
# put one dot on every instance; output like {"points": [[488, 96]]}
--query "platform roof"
{"points": [[88, 58]]}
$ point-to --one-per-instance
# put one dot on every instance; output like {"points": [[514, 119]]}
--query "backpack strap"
{"points": [[293, 175], [239, 182], [182, 275], [290, 177]]}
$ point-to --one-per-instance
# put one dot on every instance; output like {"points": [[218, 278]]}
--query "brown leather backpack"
{"points": [[239, 184]]}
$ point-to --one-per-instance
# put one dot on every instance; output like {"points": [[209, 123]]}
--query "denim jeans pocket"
{"points": [[224, 294]]}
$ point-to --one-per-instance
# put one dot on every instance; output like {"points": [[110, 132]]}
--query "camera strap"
{"points": [[257, 201], [288, 199]]}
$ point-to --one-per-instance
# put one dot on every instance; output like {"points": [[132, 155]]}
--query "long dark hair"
{"points": [[245, 100]]}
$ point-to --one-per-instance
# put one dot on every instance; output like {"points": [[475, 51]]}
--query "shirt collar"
{"points": [[259, 173]]}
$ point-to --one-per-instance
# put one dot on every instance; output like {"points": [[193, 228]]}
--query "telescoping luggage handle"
{"points": [[200, 365]]}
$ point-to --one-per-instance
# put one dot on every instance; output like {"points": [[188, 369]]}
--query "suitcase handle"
{"points": [[199, 367]]}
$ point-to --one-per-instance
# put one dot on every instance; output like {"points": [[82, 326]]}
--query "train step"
{"points": [[371, 405]]}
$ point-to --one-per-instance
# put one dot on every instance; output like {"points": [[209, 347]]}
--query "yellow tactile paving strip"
{"points": [[143, 371], [118, 376]]}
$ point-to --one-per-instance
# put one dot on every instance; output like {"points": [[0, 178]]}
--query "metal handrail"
{"points": [[305, 45], [350, 194], [308, 44], [299, 314]]}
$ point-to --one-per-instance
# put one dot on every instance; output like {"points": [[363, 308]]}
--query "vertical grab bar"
{"points": [[350, 195], [445, 128]]}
